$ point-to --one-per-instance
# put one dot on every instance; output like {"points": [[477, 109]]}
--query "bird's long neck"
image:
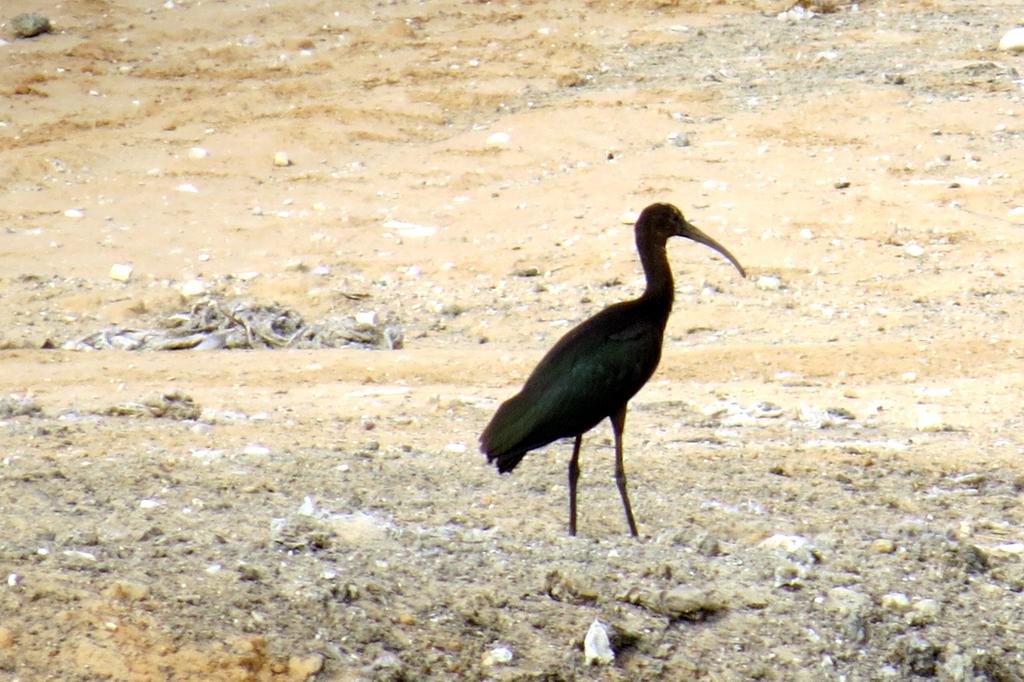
{"points": [[654, 258]]}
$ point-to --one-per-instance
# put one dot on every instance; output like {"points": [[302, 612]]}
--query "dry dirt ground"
{"points": [[825, 470]]}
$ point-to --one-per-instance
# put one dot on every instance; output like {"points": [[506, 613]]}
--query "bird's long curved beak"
{"points": [[690, 231]]}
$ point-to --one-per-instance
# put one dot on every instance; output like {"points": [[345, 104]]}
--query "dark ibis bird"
{"points": [[594, 370]]}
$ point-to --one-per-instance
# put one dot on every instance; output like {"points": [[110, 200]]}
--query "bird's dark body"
{"points": [[587, 376], [597, 367]]}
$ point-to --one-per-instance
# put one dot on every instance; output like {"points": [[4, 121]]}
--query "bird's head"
{"points": [[662, 221]]}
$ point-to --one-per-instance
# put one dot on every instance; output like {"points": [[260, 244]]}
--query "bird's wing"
{"points": [[586, 377]]}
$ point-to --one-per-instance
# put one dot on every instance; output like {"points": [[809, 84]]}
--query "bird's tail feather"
{"points": [[502, 440], [507, 461], [504, 457]]}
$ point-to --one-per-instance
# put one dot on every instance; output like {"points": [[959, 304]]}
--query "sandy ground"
{"points": [[825, 469]]}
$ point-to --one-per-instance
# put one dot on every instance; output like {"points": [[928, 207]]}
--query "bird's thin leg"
{"points": [[574, 476], [618, 424]]}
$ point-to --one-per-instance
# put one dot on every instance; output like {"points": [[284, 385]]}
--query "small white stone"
{"points": [[256, 450], [814, 417], [1012, 40], [188, 188], [79, 556], [929, 418], [149, 504], [368, 318], [499, 655], [629, 217], [308, 506], [785, 543], [806, 233], [498, 140], [410, 230], [895, 601], [882, 546], [729, 414], [924, 612], [795, 13], [1016, 215], [121, 272], [769, 283], [455, 448], [909, 377], [1009, 549], [198, 153], [678, 139], [914, 250], [193, 288], [597, 647], [846, 601], [281, 159], [74, 213], [13, 579]]}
